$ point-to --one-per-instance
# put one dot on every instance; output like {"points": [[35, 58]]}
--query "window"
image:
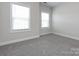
{"points": [[45, 19], [20, 17]]}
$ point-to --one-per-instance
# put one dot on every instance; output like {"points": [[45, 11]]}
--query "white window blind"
{"points": [[20, 17], [45, 19]]}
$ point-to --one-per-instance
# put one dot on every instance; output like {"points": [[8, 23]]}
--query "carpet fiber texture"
{"points": [[48, 45]]}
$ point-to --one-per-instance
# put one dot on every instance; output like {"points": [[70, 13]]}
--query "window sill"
{"points": [[21, 30]]}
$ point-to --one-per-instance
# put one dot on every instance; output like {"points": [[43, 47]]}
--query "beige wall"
{"points": [[46, 9], [5, 32], [66, 19], [8, 36]]}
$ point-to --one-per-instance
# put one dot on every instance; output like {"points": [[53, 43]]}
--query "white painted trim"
{"points": [[17, 40], [72, 37], [45, 33]]}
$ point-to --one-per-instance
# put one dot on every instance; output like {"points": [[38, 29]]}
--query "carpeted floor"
{"points": [[49, 45]]}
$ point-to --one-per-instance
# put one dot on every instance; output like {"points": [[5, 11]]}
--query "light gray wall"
{"points": [[46, 9], [66, 19], [5, 32]]}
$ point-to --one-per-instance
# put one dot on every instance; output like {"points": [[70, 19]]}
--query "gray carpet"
{"points": [[49, 45]]}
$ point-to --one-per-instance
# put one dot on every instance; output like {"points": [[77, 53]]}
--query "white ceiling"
{"points": [[52, 4]]}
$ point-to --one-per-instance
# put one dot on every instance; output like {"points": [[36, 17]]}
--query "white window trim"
{"points": [[18, 30], [41, 21]]}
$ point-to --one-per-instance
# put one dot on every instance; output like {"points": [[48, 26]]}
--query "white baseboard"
{"points": [[17, 40], [23, 39], [76, 38], [45, 34]]}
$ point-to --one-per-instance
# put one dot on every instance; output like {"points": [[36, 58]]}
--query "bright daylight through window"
{"points": [[20, 17], [45, 19]]}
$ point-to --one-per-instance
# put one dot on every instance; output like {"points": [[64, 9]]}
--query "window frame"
{"points": [[48, 20], [11, 20]]}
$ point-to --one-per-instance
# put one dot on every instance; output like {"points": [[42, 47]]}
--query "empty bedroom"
{"points": [[39, 28]]}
